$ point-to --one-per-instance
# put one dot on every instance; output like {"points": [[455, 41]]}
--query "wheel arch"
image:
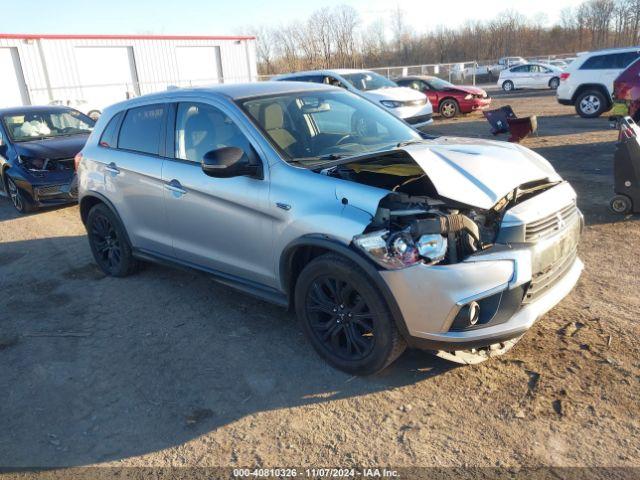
{"points": [[592, 86], [90, 200], [448, 97], [301, 251]]}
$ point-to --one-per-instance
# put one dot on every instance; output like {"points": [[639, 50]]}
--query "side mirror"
{"points": [[228, 162]]}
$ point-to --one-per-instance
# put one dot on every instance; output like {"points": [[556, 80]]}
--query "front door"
{"points": [[220, 224]]}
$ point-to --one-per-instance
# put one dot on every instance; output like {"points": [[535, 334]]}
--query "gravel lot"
{"points": [[168, 368]]}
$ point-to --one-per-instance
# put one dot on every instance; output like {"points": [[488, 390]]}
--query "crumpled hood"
{"points": [[478, 172], [52, 148], [401, 94]]}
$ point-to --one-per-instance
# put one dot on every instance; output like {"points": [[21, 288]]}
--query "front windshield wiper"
{"points": [[409, 142]]}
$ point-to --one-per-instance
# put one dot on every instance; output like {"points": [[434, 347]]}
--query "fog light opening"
{"points": [[474, 313]]}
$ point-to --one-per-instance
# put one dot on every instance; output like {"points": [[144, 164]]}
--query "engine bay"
{"points": [[413, 223]]}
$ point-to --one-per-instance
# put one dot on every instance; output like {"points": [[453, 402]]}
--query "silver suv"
{"points": [[318, 200]]}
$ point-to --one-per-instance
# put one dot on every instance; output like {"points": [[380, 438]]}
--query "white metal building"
{"points": [[98, 70]]}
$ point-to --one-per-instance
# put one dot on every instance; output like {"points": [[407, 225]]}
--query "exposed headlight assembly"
{"points": [[391, 103], [30, 163], [398, 250]]}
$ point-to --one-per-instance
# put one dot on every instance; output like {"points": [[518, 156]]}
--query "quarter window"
{"points": [[202, 128], [142, 129], [109, 136]]}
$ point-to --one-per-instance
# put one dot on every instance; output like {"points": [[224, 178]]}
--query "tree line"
{"points": [[336, 37]]}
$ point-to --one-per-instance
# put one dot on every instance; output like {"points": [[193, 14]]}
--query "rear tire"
{"points": [[591, 104], [508, 86], [449, 108], [621, 204], [554, 83], [108, 242], [344, 316], [20, 200]]}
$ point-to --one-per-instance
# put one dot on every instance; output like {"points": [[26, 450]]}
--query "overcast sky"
{"points": [[227, 17]]}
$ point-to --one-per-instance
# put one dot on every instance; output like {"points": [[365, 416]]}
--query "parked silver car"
{"points": [[314, 198]]}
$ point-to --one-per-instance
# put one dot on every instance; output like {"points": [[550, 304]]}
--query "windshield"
{"points": [[439, 84], [36, 125], [368, 81], [313, 126]]}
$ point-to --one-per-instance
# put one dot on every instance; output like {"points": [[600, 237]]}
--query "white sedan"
{"points": [[530, 75]]}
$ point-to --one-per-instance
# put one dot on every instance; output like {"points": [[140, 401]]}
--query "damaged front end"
{"points": [[460, 271]]}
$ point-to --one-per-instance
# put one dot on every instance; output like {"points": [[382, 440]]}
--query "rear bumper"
{"points": [[564, 101]]}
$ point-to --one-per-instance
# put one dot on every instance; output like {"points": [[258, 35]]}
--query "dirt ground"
{"points": [[168, 368]]}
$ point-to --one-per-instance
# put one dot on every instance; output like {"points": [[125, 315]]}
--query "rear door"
{"points": [[133, 174], [220, 224], [539, 76], [520, 76]]}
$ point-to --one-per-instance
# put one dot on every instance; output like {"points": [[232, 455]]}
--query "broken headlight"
{"points": [[30, 163], [399, 250]]}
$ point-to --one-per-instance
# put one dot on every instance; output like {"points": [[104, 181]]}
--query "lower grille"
{"points": [[418, 119], [49, 190], [542, 281]]}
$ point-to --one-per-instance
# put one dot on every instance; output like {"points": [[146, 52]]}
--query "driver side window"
{"points": [[201, 128]]}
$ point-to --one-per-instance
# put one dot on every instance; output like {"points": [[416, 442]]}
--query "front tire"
{"points": [[591, 104], [449, 108], [19, 199], [344, 316], [108, 242], [508, 86]]}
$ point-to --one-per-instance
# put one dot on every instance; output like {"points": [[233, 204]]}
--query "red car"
{"points": [[447, 98], [626, 93]]}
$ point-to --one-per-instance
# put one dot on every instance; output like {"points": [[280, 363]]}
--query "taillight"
{"points": [[76, 160], [564, 76]]}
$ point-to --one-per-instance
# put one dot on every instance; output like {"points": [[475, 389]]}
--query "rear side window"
{"points": [[609, 61], [142, 129], [109, 136]]}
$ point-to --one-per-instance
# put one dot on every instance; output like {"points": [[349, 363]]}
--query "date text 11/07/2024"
{"points": [[314, 473]]}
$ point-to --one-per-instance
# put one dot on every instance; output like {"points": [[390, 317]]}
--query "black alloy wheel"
{"points": [[345, 316], [340, 318], [106, 241]]}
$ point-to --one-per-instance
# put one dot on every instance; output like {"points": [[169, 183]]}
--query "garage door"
{"points": [[10, 78], [107, 74], [199, 65]]}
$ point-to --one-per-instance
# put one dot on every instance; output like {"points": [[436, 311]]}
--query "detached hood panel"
{"points": [[478, 172]]}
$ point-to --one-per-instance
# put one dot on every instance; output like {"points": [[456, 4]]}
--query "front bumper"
{"points": [[468, 106], [430, 297], [415, 115], [58, 193]]}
